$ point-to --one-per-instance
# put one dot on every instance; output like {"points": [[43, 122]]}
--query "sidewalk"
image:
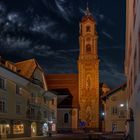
{"points": [[22, 138]]}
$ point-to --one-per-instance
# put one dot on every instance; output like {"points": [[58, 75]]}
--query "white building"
{"points": [[132, 66], [27, 108]]}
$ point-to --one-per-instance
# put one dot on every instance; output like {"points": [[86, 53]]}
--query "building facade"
{"points": [[79, 106], [25, 103], [115, 110], [132, 66]]}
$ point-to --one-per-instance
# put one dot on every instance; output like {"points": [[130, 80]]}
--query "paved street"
{"points": [[81, 136]]}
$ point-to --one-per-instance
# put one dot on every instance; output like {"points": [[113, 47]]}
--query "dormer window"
{"points": [[88, 29]]}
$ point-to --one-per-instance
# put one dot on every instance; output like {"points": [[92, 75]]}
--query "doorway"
{"points": [[114, 127], [33, 129], [45, 129], [4, 130]]}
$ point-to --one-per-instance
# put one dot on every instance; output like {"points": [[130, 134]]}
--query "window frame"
{"points": [[2, 83], [18, 111], [2, 106]]}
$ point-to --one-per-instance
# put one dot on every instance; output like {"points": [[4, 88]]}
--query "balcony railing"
{"points": [[35, 100], [34, 116]]}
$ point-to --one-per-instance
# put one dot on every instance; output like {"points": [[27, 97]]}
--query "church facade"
{"points": [[78, 94]]}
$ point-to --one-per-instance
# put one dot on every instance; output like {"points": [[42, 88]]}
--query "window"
{"points": [[88, 29], [18, 90], [114, 111], [122, 114], [66, 118], [18, 129], [45, 100], [32, 111], [88, 48], [18, 108], [139, 47], [52, 101], [134, 12], [135, 66], [45, 114], [2, 106], [53, 115], [2, 83]]}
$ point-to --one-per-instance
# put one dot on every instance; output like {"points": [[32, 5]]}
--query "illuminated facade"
{"points": [[132, 66], [26, 107], [82, 88], [88, 72]]}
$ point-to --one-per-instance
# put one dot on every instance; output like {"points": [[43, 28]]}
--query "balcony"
{"points": [[33, 116], [35, 100]]}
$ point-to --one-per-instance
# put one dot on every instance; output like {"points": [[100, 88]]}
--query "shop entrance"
{"points": [[33, 129], [4, 130], [45, 129]]}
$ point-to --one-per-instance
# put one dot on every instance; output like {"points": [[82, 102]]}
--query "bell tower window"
{"points": [[88, 48], [88, 29]]}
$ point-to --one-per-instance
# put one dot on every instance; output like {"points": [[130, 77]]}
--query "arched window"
{"points": [[66, 118], [87, 28], [88, 48]]}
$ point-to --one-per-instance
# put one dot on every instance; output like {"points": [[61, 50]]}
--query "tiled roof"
{"points": [[64, 84], [114, 91], [26, 68], [85, 18]]}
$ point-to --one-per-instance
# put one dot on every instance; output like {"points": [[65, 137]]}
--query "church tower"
{"points": [[88, 72]]}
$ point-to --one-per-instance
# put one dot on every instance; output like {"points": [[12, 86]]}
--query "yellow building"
{"points": [[26, 107]]}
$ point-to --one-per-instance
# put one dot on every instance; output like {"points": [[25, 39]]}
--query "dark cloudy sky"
{"points": [[48, 30]]}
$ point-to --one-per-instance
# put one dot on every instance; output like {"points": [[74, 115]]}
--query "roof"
{"points": [[64, 84], [85, 18], [66, 102], [88, 16], [113, 91], [64, 91], [26, 68]]}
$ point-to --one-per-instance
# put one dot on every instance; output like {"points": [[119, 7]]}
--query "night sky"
{"points": [[48, 30]]}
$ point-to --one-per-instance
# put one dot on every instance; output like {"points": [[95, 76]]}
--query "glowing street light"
{"points": [[121, 105]]}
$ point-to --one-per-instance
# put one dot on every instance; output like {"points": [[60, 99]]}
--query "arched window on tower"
{"points": [[88, 48], [88, 29], [66, 118]]}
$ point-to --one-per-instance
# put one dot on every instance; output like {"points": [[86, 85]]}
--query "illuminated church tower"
{"points": [[88, 72]]}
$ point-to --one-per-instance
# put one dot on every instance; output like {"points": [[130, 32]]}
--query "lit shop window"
{"points": [[18, 129], [4, 129]]}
